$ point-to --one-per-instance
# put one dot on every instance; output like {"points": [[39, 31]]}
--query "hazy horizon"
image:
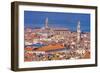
{"points": [[60, 20]]}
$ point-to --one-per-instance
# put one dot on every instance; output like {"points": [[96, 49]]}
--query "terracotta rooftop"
{"points": [[51, 47]]}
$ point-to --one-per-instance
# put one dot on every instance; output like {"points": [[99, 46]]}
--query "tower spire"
{"points": [[78, 34], [78, 26], [46, 22]]}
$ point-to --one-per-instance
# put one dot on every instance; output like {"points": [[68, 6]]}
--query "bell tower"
{"points": [[78, 35], [46, 23]]}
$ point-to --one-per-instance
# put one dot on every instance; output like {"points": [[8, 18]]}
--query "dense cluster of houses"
{"points": [[55, 44]]}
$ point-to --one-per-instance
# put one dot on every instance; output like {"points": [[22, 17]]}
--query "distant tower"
{"points": [[46, 23], [47, 31], [78, 35]]}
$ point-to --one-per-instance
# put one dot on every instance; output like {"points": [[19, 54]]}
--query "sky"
{"points": [[57, 19]]}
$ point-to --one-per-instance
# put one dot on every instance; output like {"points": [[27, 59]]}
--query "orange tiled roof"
{"points": [[50, 47], [28, 49]]}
